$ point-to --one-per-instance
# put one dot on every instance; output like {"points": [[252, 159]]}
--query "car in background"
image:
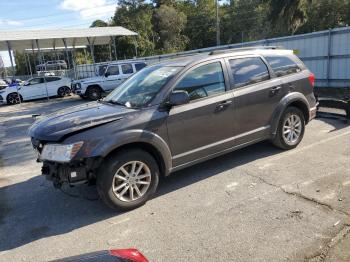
{"points": [[35, 88], [3, 84], [52, 65], [114, 74]]}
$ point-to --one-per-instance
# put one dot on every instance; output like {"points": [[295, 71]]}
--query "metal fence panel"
{"points": [[326, 54]]}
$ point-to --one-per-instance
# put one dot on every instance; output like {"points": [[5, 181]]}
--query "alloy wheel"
{"points": [[131, 181], [292, 129]]}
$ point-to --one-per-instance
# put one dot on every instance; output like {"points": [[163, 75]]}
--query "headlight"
{"points": [[60, 153]]}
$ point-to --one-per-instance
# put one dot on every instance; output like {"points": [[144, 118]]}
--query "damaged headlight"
{"points": [[60, 153]]}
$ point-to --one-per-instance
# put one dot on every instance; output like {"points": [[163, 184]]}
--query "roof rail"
{"points": [[223, 51]]}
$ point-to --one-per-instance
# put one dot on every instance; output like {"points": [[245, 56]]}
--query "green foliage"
{"points": [[169, 25]]}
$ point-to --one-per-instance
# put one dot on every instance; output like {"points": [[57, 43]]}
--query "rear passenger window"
{"points": [[282, 65], [203, 81], [247, 71], [113, 70], [127, 69], [138, 67]]}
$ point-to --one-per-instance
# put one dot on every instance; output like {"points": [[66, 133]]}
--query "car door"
{"points": [[256, 94], [34, 89], [205, 125], [52, 85], [113, 77]]}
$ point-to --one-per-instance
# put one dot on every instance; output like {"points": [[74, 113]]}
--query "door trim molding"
{"points": [[220, 142]]}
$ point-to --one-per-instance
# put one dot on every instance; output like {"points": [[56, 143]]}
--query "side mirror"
{"points": [[107, 74], [179, 98]]}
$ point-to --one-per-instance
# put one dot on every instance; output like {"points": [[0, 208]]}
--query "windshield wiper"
{"points": [[113, 102]]}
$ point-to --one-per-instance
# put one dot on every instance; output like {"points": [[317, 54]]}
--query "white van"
{"points": [[114, 74]]}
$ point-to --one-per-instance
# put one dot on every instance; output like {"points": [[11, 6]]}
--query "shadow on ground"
{"points": [[35, 210]]}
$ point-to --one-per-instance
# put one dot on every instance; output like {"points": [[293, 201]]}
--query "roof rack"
{"points": [[223, 51]]}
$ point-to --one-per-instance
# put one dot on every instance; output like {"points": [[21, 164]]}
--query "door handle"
{"points": [[223, 105], [275, 90]]}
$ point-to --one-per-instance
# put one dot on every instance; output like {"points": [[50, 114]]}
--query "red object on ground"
{"points": [[132, 254]]}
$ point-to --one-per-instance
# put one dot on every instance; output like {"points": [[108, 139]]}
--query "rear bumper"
{"points": [[312, 112]]}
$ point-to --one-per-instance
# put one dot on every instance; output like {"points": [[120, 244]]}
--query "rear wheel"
{"points": [[94, 93], [291, 129], [13, 99], [61, 92], [127, 179]]}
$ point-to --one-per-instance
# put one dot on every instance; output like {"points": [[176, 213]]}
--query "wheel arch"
{"points": [[141, 139], [295, 99]]}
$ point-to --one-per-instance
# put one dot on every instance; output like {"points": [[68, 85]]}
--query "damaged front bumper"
{"points": [[70, 173]]}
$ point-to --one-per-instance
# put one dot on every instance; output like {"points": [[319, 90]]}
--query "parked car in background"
{"points": [[52, 65], [173, 115], [3, 84], [114, 74], [35, 88]]}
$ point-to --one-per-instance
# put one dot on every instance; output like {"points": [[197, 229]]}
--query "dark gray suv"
{"points": [[173, 115]]}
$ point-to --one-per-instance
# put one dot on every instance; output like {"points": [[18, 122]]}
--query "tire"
{"points": [[110, 187], [61, 92], [13, 98], [67, 90], [94, 93], [288, 137]]}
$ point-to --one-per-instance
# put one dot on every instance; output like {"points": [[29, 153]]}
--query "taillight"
{"points": [[130, 254], [312, 79]]}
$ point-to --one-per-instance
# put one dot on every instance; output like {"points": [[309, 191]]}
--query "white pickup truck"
{"points": [[94, 87]]}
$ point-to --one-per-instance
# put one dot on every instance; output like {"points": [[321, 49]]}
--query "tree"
{"points": [[169, 25], [136, 16]]}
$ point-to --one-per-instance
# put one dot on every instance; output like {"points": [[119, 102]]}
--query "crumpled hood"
{"points": [[54, 126]]}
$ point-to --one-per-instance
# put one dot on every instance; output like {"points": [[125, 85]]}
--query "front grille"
{"points": [[1, 98]]}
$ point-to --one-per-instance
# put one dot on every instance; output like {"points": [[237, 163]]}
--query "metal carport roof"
{"points": [[48, 38]]}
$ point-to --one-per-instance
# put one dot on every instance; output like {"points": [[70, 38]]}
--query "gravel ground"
{"points": [[255, 204]]}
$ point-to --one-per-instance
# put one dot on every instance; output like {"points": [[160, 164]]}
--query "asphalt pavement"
{"points": [[256, 204]]}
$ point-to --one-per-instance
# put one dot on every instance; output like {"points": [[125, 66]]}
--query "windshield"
{"points": [[142, 87]]}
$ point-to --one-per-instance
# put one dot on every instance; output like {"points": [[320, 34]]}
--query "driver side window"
{"points": [[203, 81], [36, 81]]}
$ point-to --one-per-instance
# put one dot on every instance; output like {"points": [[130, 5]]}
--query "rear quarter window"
{"points": [[127, 69], [282, 65], [247, 71]]}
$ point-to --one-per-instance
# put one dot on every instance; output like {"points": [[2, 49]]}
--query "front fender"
{"points": [[106, 146], [283, 104]]}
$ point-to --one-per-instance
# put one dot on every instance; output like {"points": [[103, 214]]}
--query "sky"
{"points": [[44, 14]]}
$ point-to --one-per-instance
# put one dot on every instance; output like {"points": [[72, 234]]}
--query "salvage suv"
{"points": [[173, 115]]}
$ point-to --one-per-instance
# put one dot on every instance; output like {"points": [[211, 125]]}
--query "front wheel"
{"points": [[126, 180], [94, 93], [290, 129], [13, 99]]}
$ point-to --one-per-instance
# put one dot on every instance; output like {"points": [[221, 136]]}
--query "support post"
{"points": [[135, 44], [66, 50], [115, 47], [91, 45], [329, 55], [217, 23], [39, 52], [12, 67]]}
